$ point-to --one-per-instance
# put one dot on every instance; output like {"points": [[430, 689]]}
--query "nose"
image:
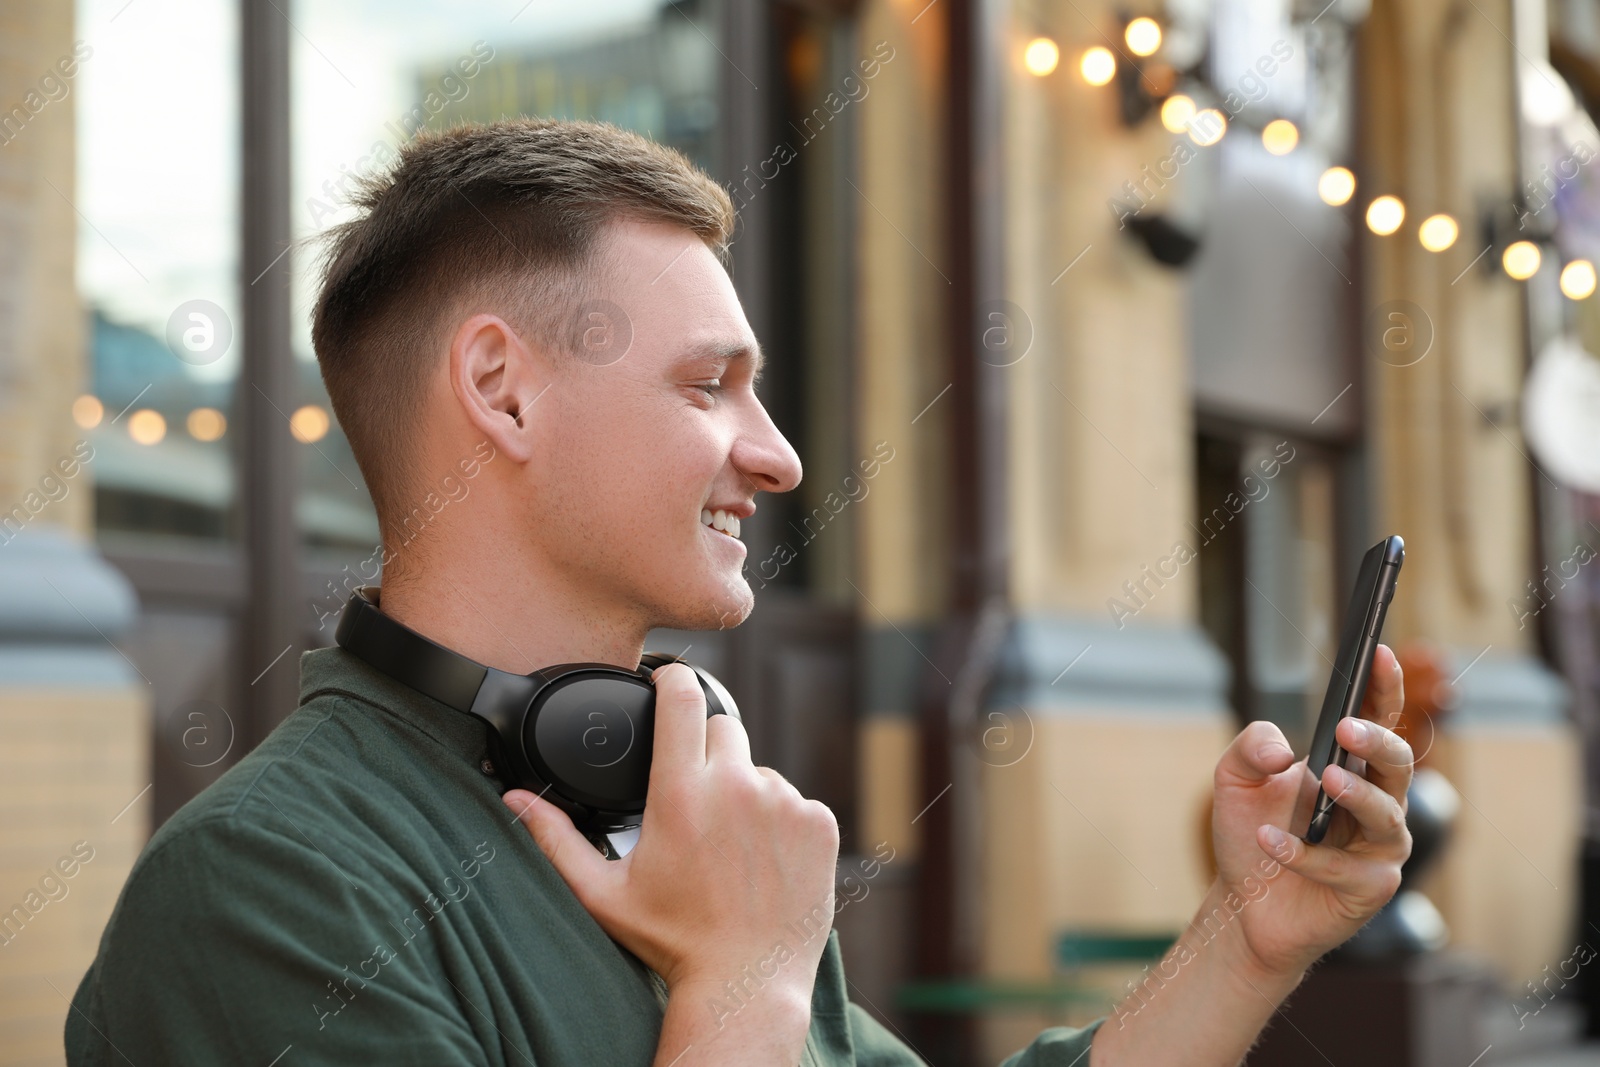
{"points": [[764, 456]]}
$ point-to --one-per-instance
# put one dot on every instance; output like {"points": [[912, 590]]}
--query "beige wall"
{"points": [[73, 775], [41, 327], [900, 323], [1101, 450]]}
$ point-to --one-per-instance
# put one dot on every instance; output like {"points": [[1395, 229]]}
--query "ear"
{"points": [[497, 378]]}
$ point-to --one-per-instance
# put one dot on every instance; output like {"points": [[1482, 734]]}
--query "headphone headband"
{"points": [[407, 656]]}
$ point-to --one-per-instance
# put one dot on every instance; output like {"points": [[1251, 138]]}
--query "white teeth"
{"points": [[725, 521]]}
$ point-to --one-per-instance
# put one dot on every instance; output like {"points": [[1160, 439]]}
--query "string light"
{"points": [[1207, 127], [1521, 260], [1438, 232], [1336, 186], [309, 424], [206, 424], [1098, 66], [1280, 136], [87, 411], [1041, 56], [1176, 113], [146, 427], [1385, 214], [1578, 279], [1143, 36]]}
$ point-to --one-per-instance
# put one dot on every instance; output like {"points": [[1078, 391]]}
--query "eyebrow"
{"points": [[732, 352]]}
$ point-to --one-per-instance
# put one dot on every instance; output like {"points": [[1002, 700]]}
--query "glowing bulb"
{"points": [[1143, 36], [1207, 127], [1336, 186], [206, 424], [1098, 66], [309, 424], [1577, 279], [1280, 136], [1176, 113], [1041, 56], [87, 411], [146, 427], [1385, 214], [1521, 260], [1438, 232]]}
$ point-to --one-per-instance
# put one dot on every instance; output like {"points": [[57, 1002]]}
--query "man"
{"points": [[540, 308]]}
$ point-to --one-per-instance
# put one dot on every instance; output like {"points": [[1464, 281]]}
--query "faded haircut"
{"points": [[503, 217]]}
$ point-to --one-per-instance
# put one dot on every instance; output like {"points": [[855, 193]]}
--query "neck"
{"points": [[515, 618]]}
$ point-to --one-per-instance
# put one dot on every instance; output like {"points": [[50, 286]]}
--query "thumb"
{"points": [[1256, 754], [578, 862]]}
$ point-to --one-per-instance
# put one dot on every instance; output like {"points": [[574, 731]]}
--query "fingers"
{"points": [[1386, 693], [1381, 816], [1259, 752], [1387, 756], [579, 863], [680, 742], [1365, 880], [727, 741]]}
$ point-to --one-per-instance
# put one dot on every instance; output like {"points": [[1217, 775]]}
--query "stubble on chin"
{"points": [[733, 603]]}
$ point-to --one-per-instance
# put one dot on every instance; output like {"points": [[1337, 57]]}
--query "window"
{"points": [[158, 258]]}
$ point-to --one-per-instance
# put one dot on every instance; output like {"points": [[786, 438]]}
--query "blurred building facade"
{"points": [[1100, 395]]}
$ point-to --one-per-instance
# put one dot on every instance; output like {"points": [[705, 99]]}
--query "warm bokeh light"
{"points": [[1280, 136], [1336, 186], [1577, 279], [206, 424], [1438, 232], [1385, 214], [1207, 127], [1143, 36], [1098, 66], [1041, 56], [87, 411], [1521, 260], [146, 427], [1176, 113], [309, 424]]}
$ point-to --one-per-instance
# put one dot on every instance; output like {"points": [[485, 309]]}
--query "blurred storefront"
{"points": [[1104, 351]]}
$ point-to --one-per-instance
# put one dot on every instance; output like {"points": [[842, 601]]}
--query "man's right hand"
{"points": [[733, 869]]}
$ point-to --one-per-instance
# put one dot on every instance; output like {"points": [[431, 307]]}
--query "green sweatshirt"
{"points": [[354, 891]]}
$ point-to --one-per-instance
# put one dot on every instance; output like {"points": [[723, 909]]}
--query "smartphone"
{"points": [[1347, 684]]}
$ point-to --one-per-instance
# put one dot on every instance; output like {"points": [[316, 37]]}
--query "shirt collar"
{"points": [[333, 670]]}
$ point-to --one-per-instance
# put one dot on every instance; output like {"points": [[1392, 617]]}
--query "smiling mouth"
{"points": [[721, 521]]}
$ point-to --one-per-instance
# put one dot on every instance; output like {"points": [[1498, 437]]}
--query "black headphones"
{"points": [[580, 735]]}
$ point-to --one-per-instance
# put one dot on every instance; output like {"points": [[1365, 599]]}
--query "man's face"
{"points": [[649, 424]]}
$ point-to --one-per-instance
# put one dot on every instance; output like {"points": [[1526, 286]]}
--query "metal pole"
{"points": [[950, 902], [265, 393]]}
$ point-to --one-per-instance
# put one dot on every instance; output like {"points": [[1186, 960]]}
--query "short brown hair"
{"points": [[509, 210]]}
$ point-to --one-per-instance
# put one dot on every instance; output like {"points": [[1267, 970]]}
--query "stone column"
{"points": [[74, 711]]}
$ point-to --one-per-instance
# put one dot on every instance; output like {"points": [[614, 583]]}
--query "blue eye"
{"points": [[711, 388]]}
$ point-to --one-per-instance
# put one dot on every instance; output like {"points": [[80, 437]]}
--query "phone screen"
{"points": [[1347, 682]]}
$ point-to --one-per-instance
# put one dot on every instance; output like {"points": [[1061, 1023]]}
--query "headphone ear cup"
{"points": [[588, 733], [718, 700], [717, 693]]}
